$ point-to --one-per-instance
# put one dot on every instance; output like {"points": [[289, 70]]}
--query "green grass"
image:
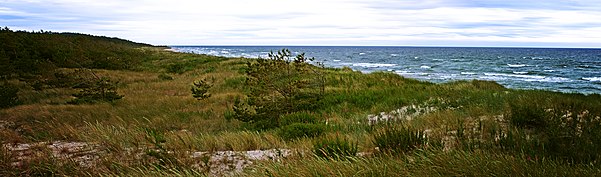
{"points": [[479, 127]]}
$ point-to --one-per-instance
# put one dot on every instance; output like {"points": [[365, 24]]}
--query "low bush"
{"points": [[527, 115], [567, 129], [98, 90], [8, 96], [298, 117], [574, 132], [276, 86], [336, 149], [200, 89], [176, 68], [301, 130]]}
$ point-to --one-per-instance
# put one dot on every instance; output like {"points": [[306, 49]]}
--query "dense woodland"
{"points": [[34, 58], [29, 54]]}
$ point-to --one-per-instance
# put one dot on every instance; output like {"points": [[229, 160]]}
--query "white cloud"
{"points": [[317, 22]]}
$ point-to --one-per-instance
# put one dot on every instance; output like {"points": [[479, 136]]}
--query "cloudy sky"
{"points": [[537, 23]]}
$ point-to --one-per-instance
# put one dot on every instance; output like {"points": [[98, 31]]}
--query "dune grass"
{"points": [[479, 127]]}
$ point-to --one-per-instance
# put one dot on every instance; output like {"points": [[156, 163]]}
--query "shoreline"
{"points": [[432, 72]]}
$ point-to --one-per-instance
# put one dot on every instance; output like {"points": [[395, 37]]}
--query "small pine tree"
{"points": [[99, 90], [200, 89], [278, 85], [8, 96]]}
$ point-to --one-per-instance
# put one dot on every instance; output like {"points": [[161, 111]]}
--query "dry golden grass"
{"points": [[148, 102], [188, 125]]}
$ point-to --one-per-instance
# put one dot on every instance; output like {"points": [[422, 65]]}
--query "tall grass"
{"points": [[425, 163], [485, 129]]}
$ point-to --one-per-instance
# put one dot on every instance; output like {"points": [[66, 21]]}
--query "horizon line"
{"points": [[408, 46]]}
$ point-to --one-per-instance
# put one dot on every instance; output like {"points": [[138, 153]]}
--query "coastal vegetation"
{"points": [[82, 105]]}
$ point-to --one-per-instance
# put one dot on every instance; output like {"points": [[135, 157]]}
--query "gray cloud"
{"points": [[323, 22]]}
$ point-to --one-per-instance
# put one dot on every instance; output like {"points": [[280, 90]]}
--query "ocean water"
{"points": [[564, 70]]}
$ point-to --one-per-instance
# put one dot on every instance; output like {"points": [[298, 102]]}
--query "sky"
{"points": [[488, 23]]}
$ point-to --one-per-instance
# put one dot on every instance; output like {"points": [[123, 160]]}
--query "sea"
{"points": [[569, 70]]}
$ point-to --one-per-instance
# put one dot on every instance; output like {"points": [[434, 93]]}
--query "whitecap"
{"points": [[416, 57], [336, 60], [394, 55], [425, 67], [550, 79], [515, 75], [520, 72], [592, 79], [373, 65], [516, 65], [530, 78], [494, 78], [407, 73], [361, 53], [468, 73], [549, 70]]}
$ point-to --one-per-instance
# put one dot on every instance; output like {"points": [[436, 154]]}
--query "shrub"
{"points": [[159, 151], [200, 89], [574, 133], [517, 141], [398, 140], [335, 149], [99, 90], [526, 115], [8, 96], [165, 77], [263, 124], [280, 85], [568, 130], [298, 117], [176, 68], [301, 130]]}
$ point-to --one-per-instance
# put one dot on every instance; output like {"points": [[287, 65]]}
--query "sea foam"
{"points": [[372, 65], [592, 79]]}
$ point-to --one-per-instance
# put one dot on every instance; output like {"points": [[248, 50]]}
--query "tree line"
{"points": [[34, 58], [27, 54]]}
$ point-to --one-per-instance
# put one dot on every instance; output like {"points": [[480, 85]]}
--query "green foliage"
{"points": [[280, 85], [237, 82], [98, 90], [558, 128], [400, 140], [298, 117], [200, 89], [8, 95], [159, 152], [519, 142], [524, 114], [242, 111], [36, 53], [487, 85], [177, 68], [335, 149], [190, 63], [574, 133], [301, 130], [165, 77]]}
